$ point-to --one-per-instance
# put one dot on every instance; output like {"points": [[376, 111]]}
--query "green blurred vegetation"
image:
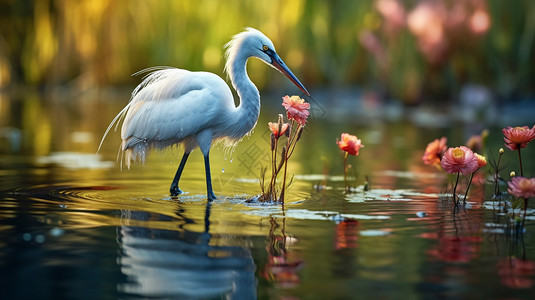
{"points": [[408, 50]]}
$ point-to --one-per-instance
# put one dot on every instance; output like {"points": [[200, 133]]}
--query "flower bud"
{"points": [[299, 132], [512, 174], [501, 151], [281, 121], [273, 141]]}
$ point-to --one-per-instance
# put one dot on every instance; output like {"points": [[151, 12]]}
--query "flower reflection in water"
{"points": [[347, 234], [283, 264], [516, 272], [457, 244], [456, 248]]}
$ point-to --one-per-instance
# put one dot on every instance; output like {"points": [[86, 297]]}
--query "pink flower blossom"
{"points": [[296, 109], [460, 159], [350, 144], [522, 187], [518, 137], [479, 22], [393, 12], [274, 127], [434, 151], [475, 142]]}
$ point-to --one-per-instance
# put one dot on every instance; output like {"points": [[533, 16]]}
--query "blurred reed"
{"points": [[408, 50]]}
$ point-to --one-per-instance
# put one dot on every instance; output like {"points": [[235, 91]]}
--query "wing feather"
{"points": [[168, 106], [172, 104]]}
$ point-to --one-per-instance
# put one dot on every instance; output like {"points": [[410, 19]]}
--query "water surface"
{"points": [[76, 225]]}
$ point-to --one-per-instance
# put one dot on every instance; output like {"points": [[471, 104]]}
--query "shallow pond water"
{"points": [[76, 225]]}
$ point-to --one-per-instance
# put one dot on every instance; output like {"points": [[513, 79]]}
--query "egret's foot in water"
{"points": [[211, 196], [175, 191]]}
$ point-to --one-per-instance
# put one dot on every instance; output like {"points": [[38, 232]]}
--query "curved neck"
{"points": [[248, 109]]}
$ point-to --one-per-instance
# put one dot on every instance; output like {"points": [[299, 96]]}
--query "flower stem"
{"points": [[497, 176], [520, 161], [345, 173], [469, 183], [525, 210], [455, 190], [284, 177], [274, 172], [285, 157]]}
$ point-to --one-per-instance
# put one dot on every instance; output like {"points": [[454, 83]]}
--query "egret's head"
{"points": [[252, 42]]}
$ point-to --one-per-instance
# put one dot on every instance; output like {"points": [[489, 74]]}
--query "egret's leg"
{"points": [[209, 191], [175, 191]]}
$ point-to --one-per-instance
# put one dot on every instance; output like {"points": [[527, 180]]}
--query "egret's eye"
{"points": [[265, 48]]}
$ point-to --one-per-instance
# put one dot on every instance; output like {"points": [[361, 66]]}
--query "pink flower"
{"points": [[393, 12], [479, 22], [274, 127], [459, 159], [434, 151], [350, 144], [475, 142], [518, 137], [522, 187], [296, 108]]}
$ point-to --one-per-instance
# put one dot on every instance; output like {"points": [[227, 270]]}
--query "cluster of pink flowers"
{"points": [[297, 114], [435, 24], [454, 159], [516, 138], [463, 160]]}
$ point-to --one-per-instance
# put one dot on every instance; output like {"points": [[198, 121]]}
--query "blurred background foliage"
{"points": [[406, 50]]}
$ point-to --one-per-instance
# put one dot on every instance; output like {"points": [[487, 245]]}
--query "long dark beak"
{"points": [[277, 62]]}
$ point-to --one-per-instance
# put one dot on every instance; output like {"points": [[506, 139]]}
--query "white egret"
{"points": [[172, 106]]}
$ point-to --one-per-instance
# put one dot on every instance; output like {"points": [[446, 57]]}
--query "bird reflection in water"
{"points": [[161, 263]]}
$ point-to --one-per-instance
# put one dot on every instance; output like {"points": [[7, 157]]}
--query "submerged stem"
{"points": [[525, 211], [497, 175], [284, 177], [455, 190], [285, 157], [469, 183], [274, 172]]}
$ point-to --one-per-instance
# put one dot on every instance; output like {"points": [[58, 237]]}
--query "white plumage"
{"points": [[173, 106]]}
